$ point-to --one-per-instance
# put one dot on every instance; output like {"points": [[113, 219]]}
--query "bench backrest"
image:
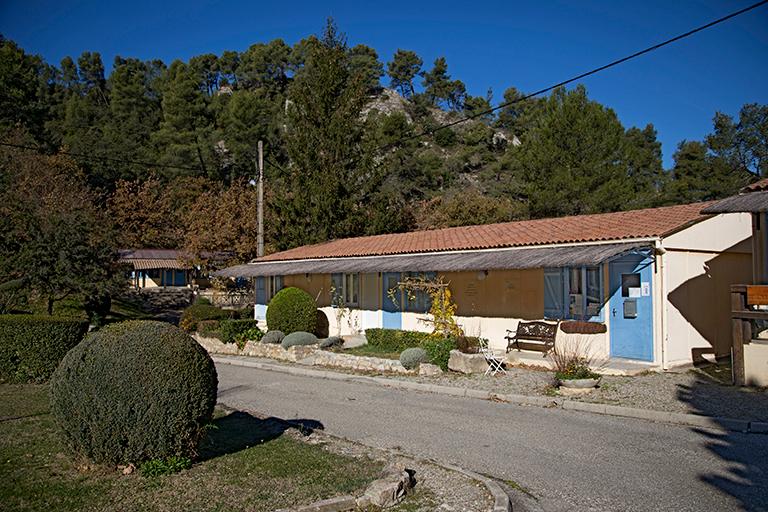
{"points": [[539, 331]]}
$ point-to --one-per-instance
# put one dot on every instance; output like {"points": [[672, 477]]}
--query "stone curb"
{"points": [[501, 502], [339, 504], [675, 418]]}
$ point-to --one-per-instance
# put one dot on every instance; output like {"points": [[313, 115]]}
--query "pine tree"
{"points": [[364, 60], [402, 70]]}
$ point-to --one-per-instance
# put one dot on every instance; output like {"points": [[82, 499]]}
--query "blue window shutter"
{"points": [[261, 290], [553, 293]]}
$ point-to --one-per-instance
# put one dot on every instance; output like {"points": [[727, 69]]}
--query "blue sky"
{"points": [[494, 45]]}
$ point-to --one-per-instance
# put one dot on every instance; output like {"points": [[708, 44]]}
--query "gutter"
{"points": [[660, 252]]}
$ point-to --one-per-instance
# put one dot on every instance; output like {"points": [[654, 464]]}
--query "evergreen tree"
{"points": [[364, 60], [402, 70], [265, 66], [182, 138], [20, 102], [572, 161], [330, 173], [644, 166]]}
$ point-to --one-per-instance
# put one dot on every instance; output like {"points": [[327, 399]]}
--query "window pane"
{"points": [[593, 291], [553, 293], [576, 299], [629, 281]]}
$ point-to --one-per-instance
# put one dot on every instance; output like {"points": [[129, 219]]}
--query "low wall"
{"points": [[306, 355], [756, 363]]}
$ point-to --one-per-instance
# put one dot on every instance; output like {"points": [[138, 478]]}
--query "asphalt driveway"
{"points": [[569, 460]]}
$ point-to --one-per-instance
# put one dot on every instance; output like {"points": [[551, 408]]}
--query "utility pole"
{"points": [[260, 205]]}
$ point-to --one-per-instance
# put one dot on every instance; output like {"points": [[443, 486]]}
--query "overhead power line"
{"points": [[447, 125], [582, 75]]}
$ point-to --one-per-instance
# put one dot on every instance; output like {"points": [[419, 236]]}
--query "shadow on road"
{"points": [[239, 430], [746, 455]]}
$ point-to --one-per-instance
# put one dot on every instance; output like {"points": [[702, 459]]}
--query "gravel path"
{"points": [[685, 391]]}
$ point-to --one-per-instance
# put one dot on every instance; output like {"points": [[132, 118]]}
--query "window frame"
{"points": [[574, 306]]}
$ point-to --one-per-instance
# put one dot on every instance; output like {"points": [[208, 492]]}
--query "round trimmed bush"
{"points": [[273, 337], [134, 391], [299, 338], [292, 310], [410, 358], [333, 341]]}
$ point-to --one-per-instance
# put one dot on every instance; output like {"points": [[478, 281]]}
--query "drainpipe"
{"points": [[660, 251]]}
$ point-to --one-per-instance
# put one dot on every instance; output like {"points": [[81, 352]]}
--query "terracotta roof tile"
{"points": [[646, 223]]}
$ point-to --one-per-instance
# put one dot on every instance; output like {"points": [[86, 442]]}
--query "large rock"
{"points": [[467, 363], [389, 489], [429, 370]]}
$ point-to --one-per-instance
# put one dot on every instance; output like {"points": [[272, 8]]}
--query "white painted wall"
{"points": [[719, 233]]}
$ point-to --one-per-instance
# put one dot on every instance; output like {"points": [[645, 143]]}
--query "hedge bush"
{"points": [[134, 391], [439, 350], [394, 340], [273, 337], [292, 310], [32, 346], [299, 338], [209, 328], [231, 329], [410, 358], [199, 312]]}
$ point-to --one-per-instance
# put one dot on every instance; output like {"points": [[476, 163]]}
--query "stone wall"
{"points": [[306, 355]]}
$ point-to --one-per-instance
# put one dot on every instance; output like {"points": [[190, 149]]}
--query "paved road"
{"points": [[570, 460]]}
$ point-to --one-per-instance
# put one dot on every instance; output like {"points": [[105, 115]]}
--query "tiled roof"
{"points": [[756, 186], [651, 222]]}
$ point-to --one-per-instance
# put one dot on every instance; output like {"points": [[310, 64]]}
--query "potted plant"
{"points": [[573, 363], [577, 374]]}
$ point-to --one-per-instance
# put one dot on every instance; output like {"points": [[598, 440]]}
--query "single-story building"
{"points": [[157, 268], [749, 299], [657, 278]]}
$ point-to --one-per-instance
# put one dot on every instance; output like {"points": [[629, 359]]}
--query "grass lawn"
{"points": [[371, 351], [245, 464]]}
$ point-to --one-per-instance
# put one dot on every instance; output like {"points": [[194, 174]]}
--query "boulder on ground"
{"points": [[467, 363], [390, 489], [429, 370]]}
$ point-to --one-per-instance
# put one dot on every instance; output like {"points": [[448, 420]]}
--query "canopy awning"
{"points": [[150, 264], [751, 202], [496, 259]]}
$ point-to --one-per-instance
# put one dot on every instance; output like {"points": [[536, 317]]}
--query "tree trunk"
{"points": [[50, 305]]}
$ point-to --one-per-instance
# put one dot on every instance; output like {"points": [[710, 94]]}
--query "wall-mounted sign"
{"points": [[645, 289]]}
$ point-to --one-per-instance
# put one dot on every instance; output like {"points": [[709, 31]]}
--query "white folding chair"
{"points": [[495, 361]]}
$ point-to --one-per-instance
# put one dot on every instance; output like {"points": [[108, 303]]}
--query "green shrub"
{"points": [[199, 312], [204, 301], [209, 328], [410, 358], [32, 346], [252, 334], [333, 341], [168, 466], [292, 310], [445, 137], [299, 338], [245, 313], [439, 350], [273, 337], [230, 329], [468, 344], [394, 340], [134, 391]]}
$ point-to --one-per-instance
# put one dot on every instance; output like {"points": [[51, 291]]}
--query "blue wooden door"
{"points": [[391, 311], [631, 307]]}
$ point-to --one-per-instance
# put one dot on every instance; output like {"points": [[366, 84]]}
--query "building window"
{"points": [[418, 301], [347, 287], [572, 293], [275, 285]]}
